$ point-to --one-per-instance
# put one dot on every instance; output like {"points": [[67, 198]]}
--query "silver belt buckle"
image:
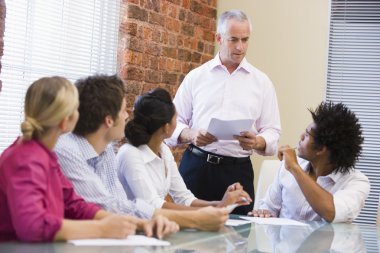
{"points": [[213, 159]]}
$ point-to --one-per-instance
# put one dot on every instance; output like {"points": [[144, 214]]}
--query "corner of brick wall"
{"points": [[160, 41], [2, 28]]}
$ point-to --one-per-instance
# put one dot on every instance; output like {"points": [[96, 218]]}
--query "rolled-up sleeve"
{"points": [[350, 200], [269, 124]]}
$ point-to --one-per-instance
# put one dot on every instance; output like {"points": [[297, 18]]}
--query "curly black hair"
{"points": [[99, 96], [337, 128]]}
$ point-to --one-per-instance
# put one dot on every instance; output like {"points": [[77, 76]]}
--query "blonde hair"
{"points": [[47, 102]]}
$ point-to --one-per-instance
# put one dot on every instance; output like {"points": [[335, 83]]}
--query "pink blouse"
{"points": [[35, 196]]}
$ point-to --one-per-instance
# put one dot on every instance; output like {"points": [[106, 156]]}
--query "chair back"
{"points": [[268, 172]]}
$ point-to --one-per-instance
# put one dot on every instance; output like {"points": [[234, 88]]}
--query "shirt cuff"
{"points": [[92, 210], [158, 202], [270, 145], [174, 139], [189, 201], [54, 225], [145, 211]]}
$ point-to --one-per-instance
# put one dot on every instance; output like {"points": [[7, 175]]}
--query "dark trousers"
{"points": [[209, 181]]}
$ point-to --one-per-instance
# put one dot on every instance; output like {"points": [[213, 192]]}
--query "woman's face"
{"points": [[172, 125], [73, 119]]}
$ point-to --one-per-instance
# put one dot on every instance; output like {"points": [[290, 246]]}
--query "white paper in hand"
{"points": [[231, 207], [226, 129]]}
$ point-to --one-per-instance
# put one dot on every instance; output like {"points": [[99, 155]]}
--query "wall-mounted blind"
{"points": [[354, 79], [70, 38]]}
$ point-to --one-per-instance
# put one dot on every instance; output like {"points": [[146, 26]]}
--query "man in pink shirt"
{"points": [[227, 88]]}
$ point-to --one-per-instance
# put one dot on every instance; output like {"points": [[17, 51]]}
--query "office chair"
{"points": [[268, 171]]}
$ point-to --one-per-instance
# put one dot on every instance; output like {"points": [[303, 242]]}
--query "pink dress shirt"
{"points": [[210, 91], [35, 196]]}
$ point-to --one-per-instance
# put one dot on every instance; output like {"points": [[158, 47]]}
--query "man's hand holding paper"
{"points": [[227, 129], [249, 141]]}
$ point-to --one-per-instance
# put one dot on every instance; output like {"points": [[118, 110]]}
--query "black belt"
{"points": [[217, 159]]}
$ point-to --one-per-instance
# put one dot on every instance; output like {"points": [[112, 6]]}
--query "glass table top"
{"points": [[315, 237]]}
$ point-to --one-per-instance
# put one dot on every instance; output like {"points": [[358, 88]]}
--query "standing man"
{"points": [[229, 88]]}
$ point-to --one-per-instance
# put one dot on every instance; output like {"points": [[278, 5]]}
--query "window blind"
{"points": [[70, 38], [354, 79]]}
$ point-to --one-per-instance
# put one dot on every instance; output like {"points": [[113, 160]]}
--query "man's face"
{"points": [[234, 44], [117, 130], [306, 149]]}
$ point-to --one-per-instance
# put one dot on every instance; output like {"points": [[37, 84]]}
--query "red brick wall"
{"points": [[2, 28], [162, 40]]}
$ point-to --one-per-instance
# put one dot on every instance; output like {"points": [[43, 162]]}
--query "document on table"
{"points": [[132, 240], [273, 221], [235, 223], [226, 129]]}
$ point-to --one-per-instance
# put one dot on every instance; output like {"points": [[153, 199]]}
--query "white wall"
{"points": [[289, 43]]}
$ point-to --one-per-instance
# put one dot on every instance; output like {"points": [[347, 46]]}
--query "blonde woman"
{"points": [[37, 202]]}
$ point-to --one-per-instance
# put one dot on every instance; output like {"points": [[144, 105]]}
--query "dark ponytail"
{"points": [[151, 111]]}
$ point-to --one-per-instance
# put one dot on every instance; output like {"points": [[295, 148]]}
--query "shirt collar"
{"points": [[333, 176], [244, 65], [87, 149], [148, 155]]}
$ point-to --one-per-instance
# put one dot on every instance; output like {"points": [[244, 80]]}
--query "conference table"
{"points": [[315, 237]]}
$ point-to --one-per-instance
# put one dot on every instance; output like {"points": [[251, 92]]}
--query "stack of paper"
{"points": [[132, 240], [273, 221]]}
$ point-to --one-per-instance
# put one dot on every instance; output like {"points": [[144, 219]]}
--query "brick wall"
{"points": [[2, 28], [161, 41]]}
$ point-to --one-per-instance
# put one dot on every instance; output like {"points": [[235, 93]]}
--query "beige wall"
{"points": [[289, 43]]}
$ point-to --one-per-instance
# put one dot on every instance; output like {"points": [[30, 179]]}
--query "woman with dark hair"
{"points": [[146, 166]]}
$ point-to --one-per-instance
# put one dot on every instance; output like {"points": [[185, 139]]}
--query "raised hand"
{"points": [[235, 195], [289, 156]]}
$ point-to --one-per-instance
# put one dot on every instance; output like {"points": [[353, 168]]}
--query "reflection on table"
{"points": [[316, 237]]}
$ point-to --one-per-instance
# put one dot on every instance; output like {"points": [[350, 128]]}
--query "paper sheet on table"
{"points": [[226, 129], [132, 240], [273, 221], [234, 223]]}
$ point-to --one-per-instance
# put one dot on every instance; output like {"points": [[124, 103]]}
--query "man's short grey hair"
{"points": [[231, 14]]}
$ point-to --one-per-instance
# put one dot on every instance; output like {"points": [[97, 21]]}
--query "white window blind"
{"points": [[70, 38], [354, 79]]}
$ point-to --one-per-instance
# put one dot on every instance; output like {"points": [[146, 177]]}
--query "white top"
{"points": [[146, 176], [285, 199], [210, 91], [94, 176]]}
